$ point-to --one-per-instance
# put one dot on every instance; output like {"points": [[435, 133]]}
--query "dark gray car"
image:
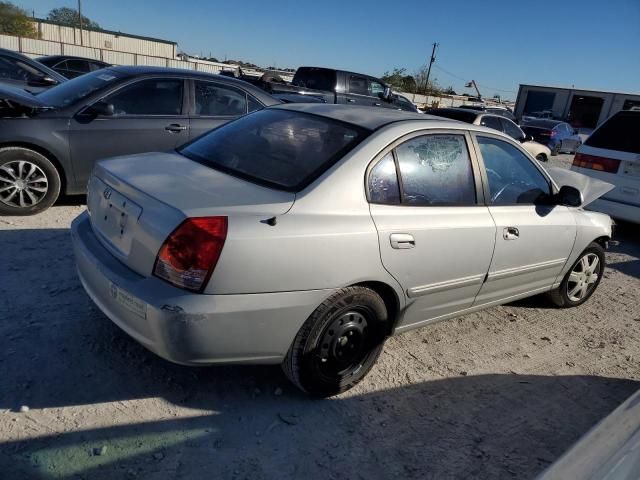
{"points": [[20, 71], [49, 142]]}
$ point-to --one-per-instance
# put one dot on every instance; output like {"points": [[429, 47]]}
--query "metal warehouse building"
{"points": [[582, 108]]}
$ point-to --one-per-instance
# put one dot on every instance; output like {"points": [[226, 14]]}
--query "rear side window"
{"points": [[358, 85], [511, 129], [213, 99], [278, 148], [491, 122], [315, 78], [156, 96], [383, 182], [621, 132], [436, 170]]}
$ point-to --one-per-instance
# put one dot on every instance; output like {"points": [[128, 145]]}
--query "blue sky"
{"points": [[499, 43]]}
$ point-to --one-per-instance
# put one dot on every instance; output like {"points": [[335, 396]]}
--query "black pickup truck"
{"points": [[326, 85]]}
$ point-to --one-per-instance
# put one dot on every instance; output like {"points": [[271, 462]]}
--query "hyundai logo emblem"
{"points": [[107, 193]]}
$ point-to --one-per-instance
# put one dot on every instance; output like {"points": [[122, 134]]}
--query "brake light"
{"points": [[593, 162], [553, 133], [189, 255]]}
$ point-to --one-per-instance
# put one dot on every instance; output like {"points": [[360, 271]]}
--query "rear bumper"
{"points": [[185, 327], [618, 210]]}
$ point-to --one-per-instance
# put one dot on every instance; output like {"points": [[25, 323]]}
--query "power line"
{"points": [[466, 80]]}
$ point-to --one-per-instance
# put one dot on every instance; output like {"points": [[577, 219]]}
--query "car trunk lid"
{"points": [[135, 202]]}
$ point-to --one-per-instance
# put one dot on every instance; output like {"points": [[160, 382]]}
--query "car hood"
{"points": [[591, 188], [21, 97]]}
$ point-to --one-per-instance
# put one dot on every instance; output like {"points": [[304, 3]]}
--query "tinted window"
{"points": [[96, 66], [463, 116], [78, 65], [12, 69], [283, 149], [621, 132], [358, 85], [512, 177], [512, 129], [214, 99], [69, 92], [315, 78], [436, 170], [253, 104], [405, 104], [491, 122], [155, 96], [383, 182], [376, 88]]}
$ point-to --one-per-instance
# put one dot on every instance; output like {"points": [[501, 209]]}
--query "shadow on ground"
{"points": [[58, 350]]}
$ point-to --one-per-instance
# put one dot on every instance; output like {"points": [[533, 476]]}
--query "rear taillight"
{"points": [[593, 162], [552, 133], [189, 255]]}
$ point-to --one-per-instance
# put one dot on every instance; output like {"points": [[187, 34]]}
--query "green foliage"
{"points": [[69, 17], [449, 91], [15, 21]]}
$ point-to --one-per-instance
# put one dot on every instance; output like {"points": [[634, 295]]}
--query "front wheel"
{"points": [[541, 157], [582, 280], [339, 343], [29, 182]]}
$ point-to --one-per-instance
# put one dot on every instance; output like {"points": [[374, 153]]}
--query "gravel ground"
{"points": [[496, 394]]}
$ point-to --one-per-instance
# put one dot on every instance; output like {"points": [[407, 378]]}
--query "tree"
{"points": [[421, 81], [449, 91], [69, 17], [399, 81], [15, 21]]}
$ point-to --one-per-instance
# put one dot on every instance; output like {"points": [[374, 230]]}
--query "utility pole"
{"points": [[433, 59], [80, 19]]}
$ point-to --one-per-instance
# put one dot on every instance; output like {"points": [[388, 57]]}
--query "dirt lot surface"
{"points": [[497, 394]]}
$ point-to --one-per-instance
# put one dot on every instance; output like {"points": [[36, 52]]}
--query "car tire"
{"points": [[579, 277], [556, 149], [339, 343], [29, 182], [541, 157]]}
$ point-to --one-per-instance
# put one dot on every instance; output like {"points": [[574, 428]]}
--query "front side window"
{"points": [[512, 129], [13, 69], [358, 85], [213, 99], [383, 182], [155, 96], [283, 149], [436, 170], [79, 66], [376, 88], [513, 178]]}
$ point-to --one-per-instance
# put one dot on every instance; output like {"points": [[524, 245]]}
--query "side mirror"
{"points": [[387, 94], [102, 109], [42, 82], [569, 196]]}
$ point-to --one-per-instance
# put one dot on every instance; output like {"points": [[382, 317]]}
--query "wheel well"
{"points": [[48, 155], [390, 298], [602, 241]]}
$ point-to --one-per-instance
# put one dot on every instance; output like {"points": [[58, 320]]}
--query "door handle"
{"points": [[510, 233], [402, 241], [350, 100], [377, 104], [175, 128]]}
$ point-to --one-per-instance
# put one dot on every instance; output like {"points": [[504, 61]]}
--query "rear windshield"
{"points": [[621, 132], [73, 90], [278, 148]]}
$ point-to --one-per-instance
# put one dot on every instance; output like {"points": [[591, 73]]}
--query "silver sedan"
{"points": [[304, 235]]}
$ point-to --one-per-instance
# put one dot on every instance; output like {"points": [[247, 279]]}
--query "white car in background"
{"points": [[612, 154]]}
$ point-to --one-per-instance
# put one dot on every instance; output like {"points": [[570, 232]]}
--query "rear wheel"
{"points": [[339, 343], [29, 182], [556, 149], [582, 280]]}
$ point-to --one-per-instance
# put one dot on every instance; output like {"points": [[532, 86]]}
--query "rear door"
{"points": [[436, 236], [357, 90], [215, 104], [533, 241], [149, 116]]}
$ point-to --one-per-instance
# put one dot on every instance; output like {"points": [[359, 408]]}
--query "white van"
{"points": [[612, 154]]}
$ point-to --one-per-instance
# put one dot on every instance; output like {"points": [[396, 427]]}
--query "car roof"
{"points": [[370, 118], [68, 57], [544, 123]]}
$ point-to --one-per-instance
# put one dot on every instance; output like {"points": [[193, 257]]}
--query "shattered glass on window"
{"points": [[436, 170]]}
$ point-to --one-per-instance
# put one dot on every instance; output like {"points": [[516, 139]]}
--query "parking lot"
{"points": [[496, 394]]}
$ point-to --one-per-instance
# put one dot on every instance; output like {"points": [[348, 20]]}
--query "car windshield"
{"points": [[278, 148], [620, 132], [73, 90]]}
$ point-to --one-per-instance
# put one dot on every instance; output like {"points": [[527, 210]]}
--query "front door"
{"points": [[148, 117], [533, 240], [436, 237]]}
